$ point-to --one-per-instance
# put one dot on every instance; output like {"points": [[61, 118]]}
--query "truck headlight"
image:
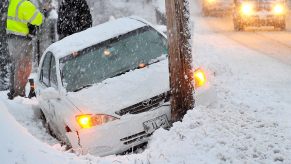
{"points": [[89, 120], [279, 9], [247, 9]]}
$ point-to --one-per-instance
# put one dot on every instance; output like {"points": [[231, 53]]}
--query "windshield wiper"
{"points": [[85, 86], [127, 70], [154, 62]]}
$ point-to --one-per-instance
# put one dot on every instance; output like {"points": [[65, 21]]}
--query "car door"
{"points": [[43, 84], [47, 79], [61, 107], [53, 102]]}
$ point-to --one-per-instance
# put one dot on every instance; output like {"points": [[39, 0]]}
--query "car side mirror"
{"points": [[50, 93]]}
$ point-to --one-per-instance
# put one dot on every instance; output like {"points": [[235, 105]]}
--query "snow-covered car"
{"points": [[105, 90], [260, 13], [216, 6]]}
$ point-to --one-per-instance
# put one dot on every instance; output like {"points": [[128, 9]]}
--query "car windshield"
{"points": [[111, 58]]}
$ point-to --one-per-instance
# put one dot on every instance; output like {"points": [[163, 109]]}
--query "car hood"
{"points": [[123, 91]]}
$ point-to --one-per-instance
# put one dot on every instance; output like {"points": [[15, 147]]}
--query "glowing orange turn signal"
{"points": [[199, 77], [88, 120], [84, 121]]}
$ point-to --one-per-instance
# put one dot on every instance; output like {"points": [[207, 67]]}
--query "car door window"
{"points": [[44, 75], [53, 73], [48, 74]]}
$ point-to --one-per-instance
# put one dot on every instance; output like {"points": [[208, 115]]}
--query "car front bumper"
{"points": [[266, 20], [117, 136]]}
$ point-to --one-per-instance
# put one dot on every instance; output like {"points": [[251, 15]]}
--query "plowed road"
{"points": [[273, 43]]}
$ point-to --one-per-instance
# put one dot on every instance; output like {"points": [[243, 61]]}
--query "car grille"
{"points": [[145, 105], [133, 138], [264, 6]]}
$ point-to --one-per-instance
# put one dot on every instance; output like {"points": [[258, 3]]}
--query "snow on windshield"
{"points": [[110, 58]]}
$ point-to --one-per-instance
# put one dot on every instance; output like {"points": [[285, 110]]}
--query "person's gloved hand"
{"points": [[32, 29]]}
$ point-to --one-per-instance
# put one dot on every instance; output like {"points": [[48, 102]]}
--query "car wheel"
{"points": [[41, 116], [65, 141], [46, 124]]}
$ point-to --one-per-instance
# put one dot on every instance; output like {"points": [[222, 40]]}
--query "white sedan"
{"points": [[105, 90]]}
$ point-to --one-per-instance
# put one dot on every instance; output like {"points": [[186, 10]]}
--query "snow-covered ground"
{"points": [[249, 123]]}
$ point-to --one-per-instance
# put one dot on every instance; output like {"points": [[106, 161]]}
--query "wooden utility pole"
{"points": [[4, 53], [180, 58]]}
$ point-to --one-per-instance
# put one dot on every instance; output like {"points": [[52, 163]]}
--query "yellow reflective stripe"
{"points": [[16, 19], [15, 33], [34, 16], [17, 8]]}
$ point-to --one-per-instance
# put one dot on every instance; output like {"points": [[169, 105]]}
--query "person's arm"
{"points": [[30, 13]]}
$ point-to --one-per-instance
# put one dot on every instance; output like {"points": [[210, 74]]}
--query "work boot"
{"points": [[10, 95]]}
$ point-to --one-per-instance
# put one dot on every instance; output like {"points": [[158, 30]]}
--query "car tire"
{"points": [[41, 116], [46, 124]]}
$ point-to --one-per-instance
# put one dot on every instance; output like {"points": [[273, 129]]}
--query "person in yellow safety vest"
{"points": [[22, 15]]}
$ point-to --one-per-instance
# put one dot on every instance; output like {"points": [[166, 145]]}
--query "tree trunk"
{"points": [[4, 53], [180, 58]]}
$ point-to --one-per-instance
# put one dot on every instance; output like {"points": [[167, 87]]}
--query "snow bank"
{"points": [[19, 146], [222, 133]]}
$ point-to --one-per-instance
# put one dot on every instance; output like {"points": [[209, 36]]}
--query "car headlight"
{"points": [[279, 9], [247, 9], [200, 78], [89, 120]]}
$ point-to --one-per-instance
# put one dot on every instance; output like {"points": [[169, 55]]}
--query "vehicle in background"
{"points": [[260, 13], [215, 7], [106, 89]]}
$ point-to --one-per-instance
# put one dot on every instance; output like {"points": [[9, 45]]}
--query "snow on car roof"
{"points": [[94, 35]]}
